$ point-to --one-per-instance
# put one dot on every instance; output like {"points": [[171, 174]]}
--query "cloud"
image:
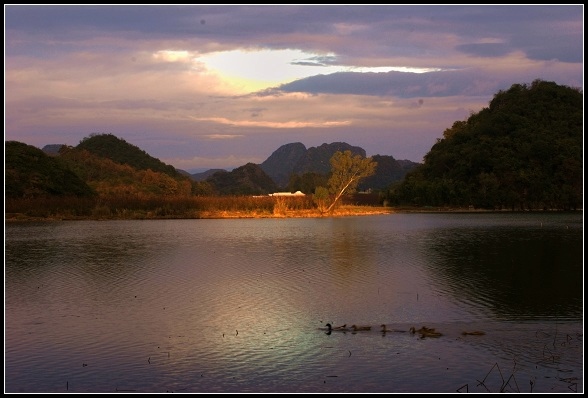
{"points": [[222, 136], [195, 83], [485, 49], [278, 125]]}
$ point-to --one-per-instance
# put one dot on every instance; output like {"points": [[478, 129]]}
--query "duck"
{"points": [[424, 329], [332, 328], [426, 332], [474, 333], [360, 328], [384, 330], [431, 334]]}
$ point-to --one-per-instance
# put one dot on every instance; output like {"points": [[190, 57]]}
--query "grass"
{"points": [[193, 207]]}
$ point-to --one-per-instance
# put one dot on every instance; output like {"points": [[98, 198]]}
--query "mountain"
{"points": [[249, 179], [52, 149], [388, 171], [283, 161], [30, 172], [204, 175], [295, 159], [110, 166], [120, 151], [317, 159], [524, 151]]}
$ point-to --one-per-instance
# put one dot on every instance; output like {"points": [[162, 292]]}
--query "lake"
{"points": [[240, 305]]}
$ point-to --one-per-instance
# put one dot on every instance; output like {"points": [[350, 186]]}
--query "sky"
{"points": [[220, 86]]}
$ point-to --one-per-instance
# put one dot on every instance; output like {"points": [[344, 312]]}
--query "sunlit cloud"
{"points": [[277, 125], [173, 56], [222, 136], [258, 69], [390, 78]]}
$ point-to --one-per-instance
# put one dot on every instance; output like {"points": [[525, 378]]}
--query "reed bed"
{"points": [[172, 207]]}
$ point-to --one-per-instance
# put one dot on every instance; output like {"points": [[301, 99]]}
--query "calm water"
{"points": [[237, 305]]}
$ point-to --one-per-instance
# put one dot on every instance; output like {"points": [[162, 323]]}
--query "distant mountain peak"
{"points": [[295, 158]]}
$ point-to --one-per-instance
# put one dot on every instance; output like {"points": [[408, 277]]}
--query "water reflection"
{"points": [[515, 272], [236, 305]]}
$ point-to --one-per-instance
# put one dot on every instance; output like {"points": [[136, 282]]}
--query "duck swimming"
{"points": [[431, 334], [359, 328], [384, 330], [332, 328], [474, 333], [424, 329], [426, 332]]}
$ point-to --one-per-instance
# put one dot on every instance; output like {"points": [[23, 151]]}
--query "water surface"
{"points": [[237, 305]]}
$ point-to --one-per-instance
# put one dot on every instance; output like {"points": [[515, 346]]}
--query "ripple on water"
{"points": [[235, 305]]}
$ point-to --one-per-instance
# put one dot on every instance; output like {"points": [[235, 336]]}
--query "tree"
{"points": [[346, 172], [307, 182], [524, 151], [321, 199]]}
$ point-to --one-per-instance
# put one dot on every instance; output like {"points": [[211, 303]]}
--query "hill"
{"points": [[282, 162], [202, 176], [52, 149], [523, 151], [30, 172], [388, 171], [249, 179], [295, 160], [118, 150]]}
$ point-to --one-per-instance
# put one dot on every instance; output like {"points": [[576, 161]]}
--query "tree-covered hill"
{"points": [[249, 179], [108, 177], [120, 151], [79, 171], [388, 171], [30, 172], [523, 151]]}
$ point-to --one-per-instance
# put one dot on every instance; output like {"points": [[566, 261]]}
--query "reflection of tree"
{"points": [[517, 272], [351, 252]]}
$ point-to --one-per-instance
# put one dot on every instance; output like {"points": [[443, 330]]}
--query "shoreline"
{"points": [[343, 211]]}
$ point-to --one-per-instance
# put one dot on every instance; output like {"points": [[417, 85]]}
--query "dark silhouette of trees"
{"points": [[524, 151], [29, 172]]}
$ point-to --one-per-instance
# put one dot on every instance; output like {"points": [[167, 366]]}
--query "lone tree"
{"points": [[346, 172]]}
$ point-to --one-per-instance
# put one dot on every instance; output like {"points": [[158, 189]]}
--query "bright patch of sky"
{"points": [[252, 70]]}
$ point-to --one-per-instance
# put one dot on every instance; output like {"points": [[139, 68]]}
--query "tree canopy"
{"points": [[29, 172], [347, 170], [523, 151]]}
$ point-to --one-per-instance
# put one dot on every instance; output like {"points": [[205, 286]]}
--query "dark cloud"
{"points": [[485, 49], [395, 84], [73, 70], [317, 61], [546, 45], [542, 32]]}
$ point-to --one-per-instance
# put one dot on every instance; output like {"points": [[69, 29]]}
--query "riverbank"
{"points": [[342, 211]]}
